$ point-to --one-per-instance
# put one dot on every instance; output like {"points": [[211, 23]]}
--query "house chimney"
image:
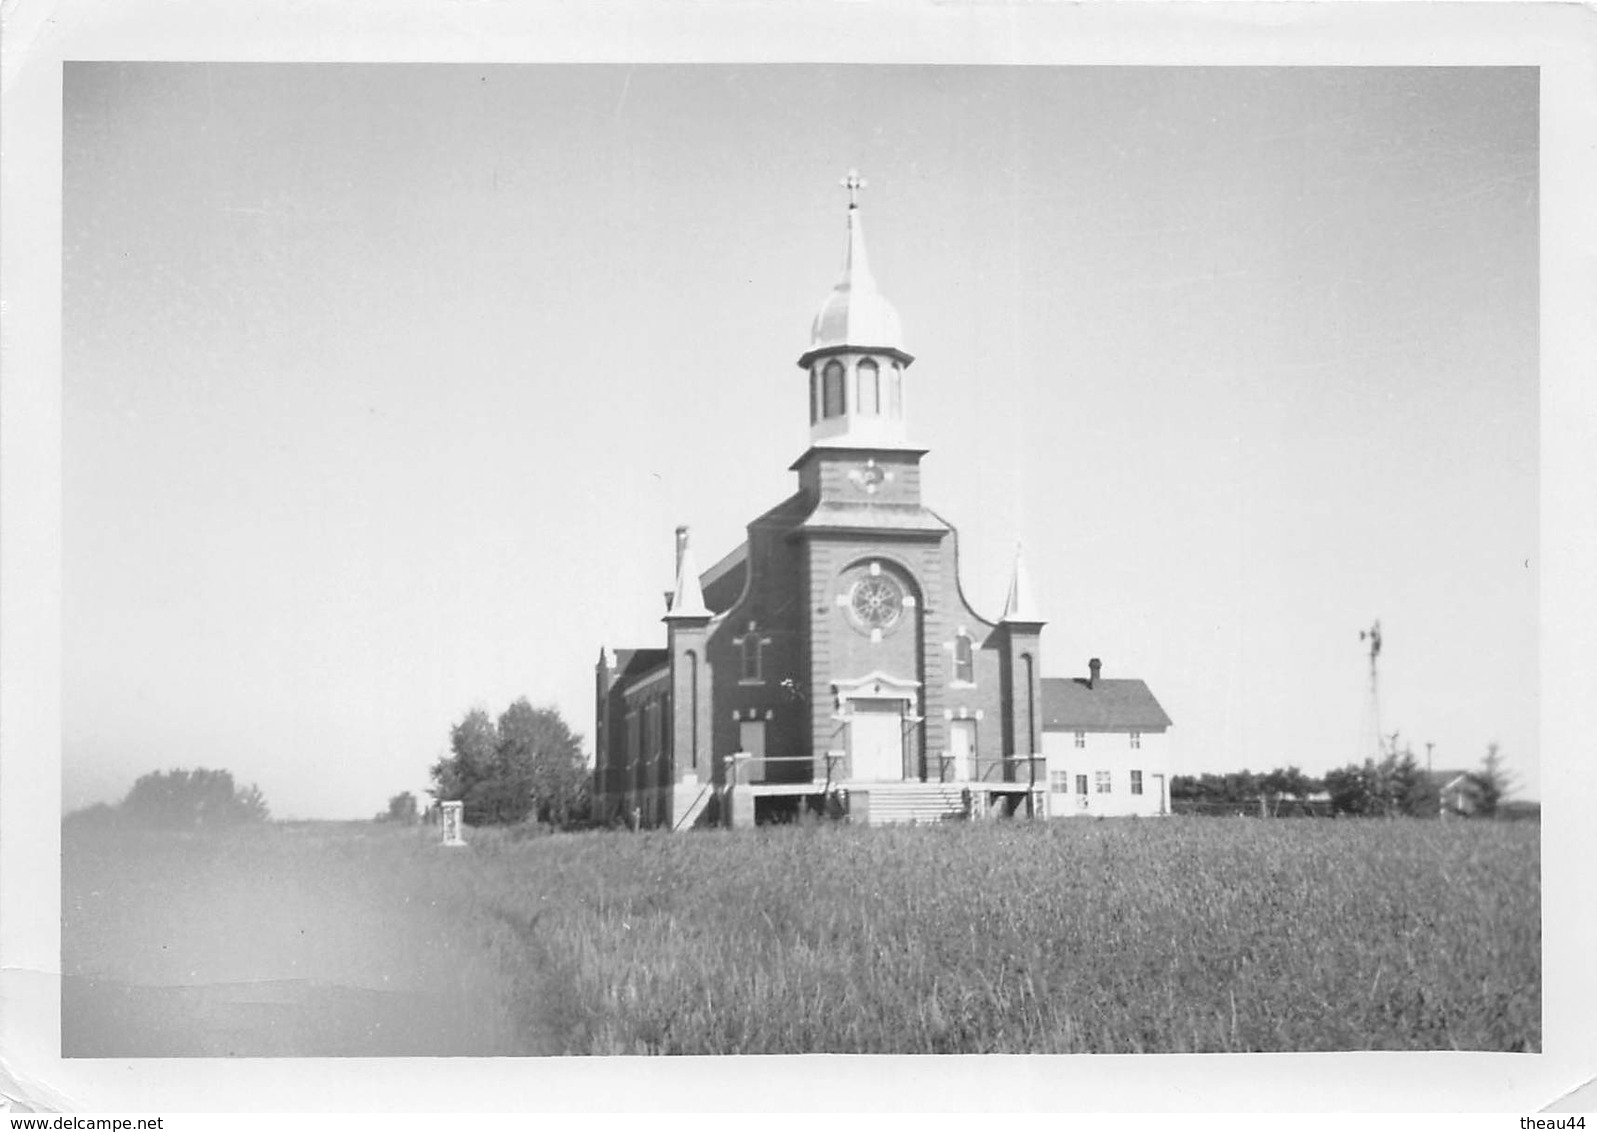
{"points": [[1093, 667]]}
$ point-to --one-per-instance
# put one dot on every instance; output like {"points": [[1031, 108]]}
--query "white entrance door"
{"points": [[961, 748], [876, 740], [751, 738]]}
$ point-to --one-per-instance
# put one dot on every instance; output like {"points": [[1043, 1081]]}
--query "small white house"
{"points": [[1106, 746]]}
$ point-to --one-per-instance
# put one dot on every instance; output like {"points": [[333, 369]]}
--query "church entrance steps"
{"points": [[895, 803]]}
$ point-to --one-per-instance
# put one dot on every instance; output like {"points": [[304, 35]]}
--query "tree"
{"points": [[1348, 787], [557, 773], [1414, 792], [1494, 783], [181, 799], [1285, 782], [527, 765], [1241, 786], [401, 808]]}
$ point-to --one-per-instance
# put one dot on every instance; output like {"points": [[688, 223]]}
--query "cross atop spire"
{"points": [[853, 183]]}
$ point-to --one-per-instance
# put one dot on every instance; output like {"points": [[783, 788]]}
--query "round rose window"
{"points": [[877, 601]]}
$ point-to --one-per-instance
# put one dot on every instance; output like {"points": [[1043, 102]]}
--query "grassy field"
{"points": [[1175, 935]]}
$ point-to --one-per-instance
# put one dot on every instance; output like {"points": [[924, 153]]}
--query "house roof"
{"points": [[1109, 705]]}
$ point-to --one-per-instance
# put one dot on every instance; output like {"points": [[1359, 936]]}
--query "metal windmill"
{"points": [[1370, 736]]}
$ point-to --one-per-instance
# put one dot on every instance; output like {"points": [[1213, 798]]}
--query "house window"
{"points": [[1100, 781], [1081, 738], [870, 387], [1136, 782], [1081, 784], [832, 390], [964, 661], [1136, 740], [1059, 782]]}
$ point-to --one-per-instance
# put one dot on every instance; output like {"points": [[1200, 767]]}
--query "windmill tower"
{"points": [[1371, 739]]}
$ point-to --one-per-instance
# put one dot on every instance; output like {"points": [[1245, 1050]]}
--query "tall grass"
{"points": [[1171, 935]]}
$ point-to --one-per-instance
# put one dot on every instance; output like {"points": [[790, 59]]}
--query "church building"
{"points": [[831, 663]]}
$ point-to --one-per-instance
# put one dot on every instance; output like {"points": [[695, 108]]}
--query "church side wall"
{"points": [[640, 749], [773, 605]]}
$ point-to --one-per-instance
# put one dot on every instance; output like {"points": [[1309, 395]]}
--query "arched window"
{"points": [[964, 661], [1031, 703], [751, 656], [815, 395], [832, 379], [870, 387], [693, 707], [894, 398]]}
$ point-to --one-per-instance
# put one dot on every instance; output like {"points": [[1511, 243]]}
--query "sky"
{"points": [[384, 387]]}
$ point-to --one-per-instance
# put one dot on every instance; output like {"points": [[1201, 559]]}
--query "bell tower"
{"points": [[856, 360]]}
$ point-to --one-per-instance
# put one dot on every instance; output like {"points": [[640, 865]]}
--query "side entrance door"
{"points": [[961, 749], [876, 740], [751, 738]]}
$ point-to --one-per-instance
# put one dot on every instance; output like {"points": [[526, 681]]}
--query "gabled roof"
{"points": [[1442, 779], [734, 559], [723, 583], [1110, 705], [632, 664]]}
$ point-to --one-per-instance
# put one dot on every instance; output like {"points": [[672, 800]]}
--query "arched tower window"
{"points": [[832, 381], [870, 387], [693, 707], [1031, 703], [815, 395], [894, 395]]}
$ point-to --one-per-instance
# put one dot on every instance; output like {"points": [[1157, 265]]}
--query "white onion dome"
{"points": [[855, 315]]}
